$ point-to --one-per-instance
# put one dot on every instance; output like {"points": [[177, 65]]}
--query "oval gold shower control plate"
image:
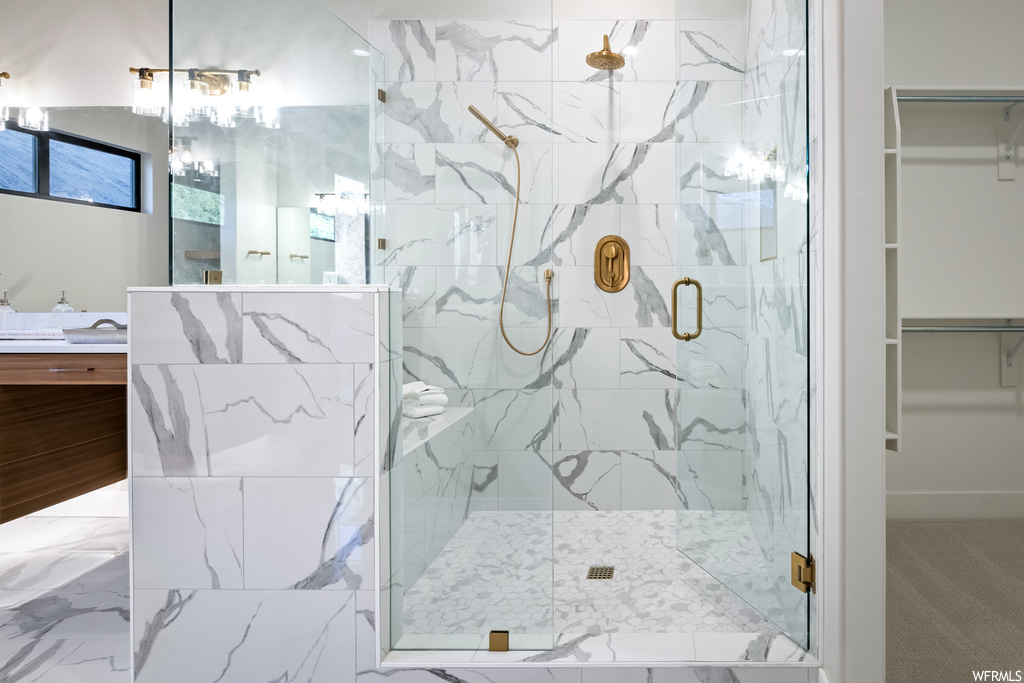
{"points": [[611, 263]]}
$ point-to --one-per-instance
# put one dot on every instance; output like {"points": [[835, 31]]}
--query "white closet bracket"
{"points": [[1009, 375], [1013, 140], [1006, 112], [1006, 151]]}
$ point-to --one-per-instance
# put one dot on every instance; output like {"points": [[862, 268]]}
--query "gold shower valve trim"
{"points": [[611, 264]]}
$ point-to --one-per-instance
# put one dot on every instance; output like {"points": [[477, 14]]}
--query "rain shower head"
{"points": [[606, 59], [510, 140]]}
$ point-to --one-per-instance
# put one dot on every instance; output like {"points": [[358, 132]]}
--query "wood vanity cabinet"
{"points": [[63, 427]]}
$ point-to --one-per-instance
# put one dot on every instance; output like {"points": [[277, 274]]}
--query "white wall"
{"points": [[953, 42], [94, 253], [69, 53], [959, 259]]}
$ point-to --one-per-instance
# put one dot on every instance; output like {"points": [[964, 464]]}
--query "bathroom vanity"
{"points": [[63, 417]]}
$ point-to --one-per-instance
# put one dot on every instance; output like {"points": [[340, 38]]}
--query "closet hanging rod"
{"points": [[1017, 99], [961, 328]]}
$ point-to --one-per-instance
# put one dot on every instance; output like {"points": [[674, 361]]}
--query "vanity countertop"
{"points": [[57, 346]]}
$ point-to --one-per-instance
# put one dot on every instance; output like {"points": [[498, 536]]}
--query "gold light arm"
{"points": [[216, 72], [687, 336], [4, 74]]}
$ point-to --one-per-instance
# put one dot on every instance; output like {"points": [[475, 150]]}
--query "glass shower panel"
{"points": [[743, 383], [270, 167], [471, 492]]}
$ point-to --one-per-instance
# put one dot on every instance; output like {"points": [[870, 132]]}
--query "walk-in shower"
{"points": [[682, 465]]}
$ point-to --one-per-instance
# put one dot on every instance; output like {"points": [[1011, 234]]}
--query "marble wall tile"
{"points": [[187, 533], [452, 358], [587, 480], [240, 636], [485, 481], [408, 47], [617, 173], [646, 45], [309, 534], [308, 328], [179, 327], [468, 296], [366, 629], [650, 231], [442, 235], [700, 674], [587, 112], [494, 50], [418, 286], [709, 111], [242, 420], [585, 358], [711, 420], [438, 112], [475, 173], [573, 231], [481, 675], [651, 358], [712, 49], [513, 420], [524, 110], [525, 481], [702, 171], [723, 231], [364, 399], [650, 481], [650, 109], [409, 173], [642, 303], [616, 419]]}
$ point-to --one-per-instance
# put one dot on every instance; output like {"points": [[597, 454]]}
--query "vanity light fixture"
{"points": [[5, 111], [199, 97]]}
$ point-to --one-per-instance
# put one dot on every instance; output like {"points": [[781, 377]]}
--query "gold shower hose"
{"points": [[548, 274]]}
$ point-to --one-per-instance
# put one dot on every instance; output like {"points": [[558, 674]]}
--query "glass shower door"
{"points": [[743, 378]]}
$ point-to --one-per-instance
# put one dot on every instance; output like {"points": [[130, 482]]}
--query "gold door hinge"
{"points": [[381, 95], [213, 277], [382, 243], [498, 641], [803, 573]]}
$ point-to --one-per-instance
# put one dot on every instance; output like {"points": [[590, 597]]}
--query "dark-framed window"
{"points": [[66, 168]]}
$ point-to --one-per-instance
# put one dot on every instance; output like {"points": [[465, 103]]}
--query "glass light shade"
{"points": [[223, 115], [145, 100], [198, 99], [268, 117], [241, 91], [34, 118], [5, 112]]}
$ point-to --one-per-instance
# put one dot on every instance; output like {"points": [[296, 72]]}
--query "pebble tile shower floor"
{"points": [[495, 573]]}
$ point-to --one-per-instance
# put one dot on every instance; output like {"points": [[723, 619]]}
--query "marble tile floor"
{"points": [[496, 573], [64, 600]]}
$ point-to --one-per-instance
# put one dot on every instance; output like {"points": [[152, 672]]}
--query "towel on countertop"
{"points": [[426, 400], [415, 411], [419, 389]]}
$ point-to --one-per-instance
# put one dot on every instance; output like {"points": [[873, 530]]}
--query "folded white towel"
{"points": [[420, 389], [414, 411], [426, 400]]}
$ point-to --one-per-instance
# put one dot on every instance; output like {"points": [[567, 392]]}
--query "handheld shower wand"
{"points": [[513, 142]]}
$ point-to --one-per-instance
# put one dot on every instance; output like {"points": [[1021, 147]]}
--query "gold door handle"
{"points": [[687, 336]]}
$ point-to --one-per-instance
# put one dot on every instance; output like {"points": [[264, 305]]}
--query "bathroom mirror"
{"points": [[73, 238]]}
